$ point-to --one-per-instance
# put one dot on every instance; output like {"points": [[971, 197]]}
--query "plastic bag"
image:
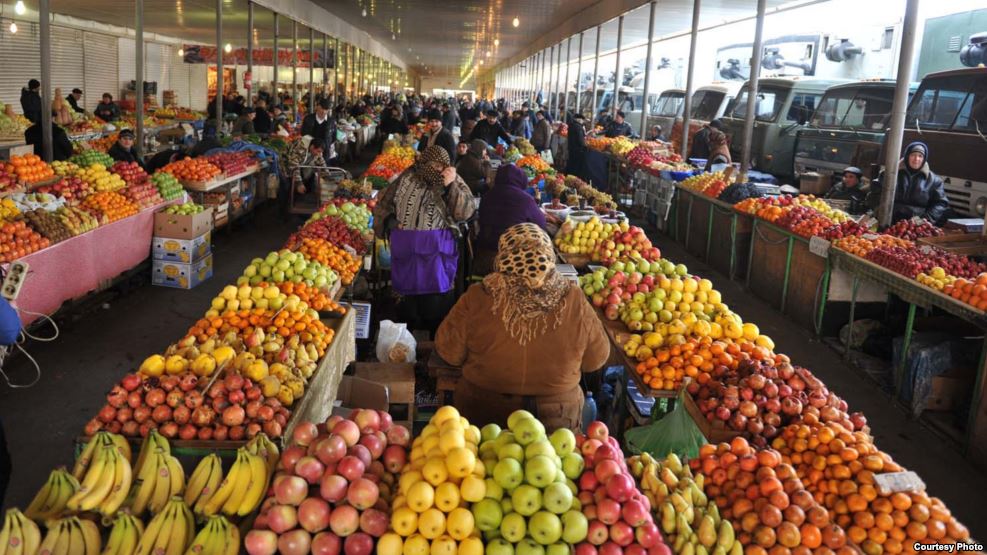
{"points": [[395, 343], [675, 433]]}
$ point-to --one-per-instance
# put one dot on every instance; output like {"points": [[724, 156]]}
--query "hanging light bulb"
{"points": [[488, 53], [394, 37], [228, 48], [13, 27], [516, 22], [496, 42], [181, 52], [364, 12], [20, 8]]}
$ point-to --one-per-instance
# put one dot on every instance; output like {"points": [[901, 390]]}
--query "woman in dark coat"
{"points": [[576, 147], [918, 191], [506, 204], [473, 166]]}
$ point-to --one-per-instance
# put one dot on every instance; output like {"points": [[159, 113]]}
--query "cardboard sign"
{"points": [[819, 246], [362, 319], [894, 482]]}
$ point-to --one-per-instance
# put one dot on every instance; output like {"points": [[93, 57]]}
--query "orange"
{"points": [[916, 531]]}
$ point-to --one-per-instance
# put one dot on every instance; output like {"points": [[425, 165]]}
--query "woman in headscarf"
{"points": [[918, 191], [524, 337], [719, 150], [419, 213], [505, 205], [474, 165]]}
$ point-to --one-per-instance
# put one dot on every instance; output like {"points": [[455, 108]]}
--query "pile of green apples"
{"points": [[285, 265]]}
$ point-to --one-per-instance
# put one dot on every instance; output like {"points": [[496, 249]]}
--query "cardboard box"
{"points": [[177, 226], [356, 392], [181, 276], [399, 378], [181, 250], [814, 184], [949, 390]]}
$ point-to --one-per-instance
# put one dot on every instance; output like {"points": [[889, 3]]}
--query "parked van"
{"points": [[784, 105], [666, 108], [708, 103], [847, 128], [949, 113]]}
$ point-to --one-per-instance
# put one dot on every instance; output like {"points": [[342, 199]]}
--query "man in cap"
{"points": [[31, 101], [436, 134], [490, 129], [618, 127], [700, 141], [107, 110], [124, 150], [73, 99], [852, 189]]}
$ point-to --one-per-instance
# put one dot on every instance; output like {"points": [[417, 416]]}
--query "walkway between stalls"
{"points": [[940, 464]]}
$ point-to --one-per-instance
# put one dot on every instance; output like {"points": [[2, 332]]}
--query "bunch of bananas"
{"points": [[71, 535], [124, 535], [205, 479], [49, 503], [159, 475], [217, 537], [19, 534], [170, 531], [243, 488], [105, 475], [691, 523]]}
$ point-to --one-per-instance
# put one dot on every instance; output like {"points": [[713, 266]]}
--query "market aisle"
{"points": [[91, 355], [939, 463]]}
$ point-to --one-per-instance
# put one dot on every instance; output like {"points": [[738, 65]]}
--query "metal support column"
{"points": [[325, 65], [44, 20], [335, 71], [896, 128], [250, 52], [311, 70], [274, 78], [294, 70], [558, 81], [689, 83], [219, 64], [579, 71], [548, 87], [596, 73], [745, 159], [565, 86], [647, 70], [139, 71], [615, 101]]}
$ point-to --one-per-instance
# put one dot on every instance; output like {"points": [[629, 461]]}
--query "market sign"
{"points": [[202, 54]]}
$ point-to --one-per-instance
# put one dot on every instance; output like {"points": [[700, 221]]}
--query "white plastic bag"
{"points": [[395, 343]]}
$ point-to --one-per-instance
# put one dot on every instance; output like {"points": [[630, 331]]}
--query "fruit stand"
{"points": [[712, 230]]}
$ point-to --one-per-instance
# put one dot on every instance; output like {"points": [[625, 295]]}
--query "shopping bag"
{"points": [[546, 155], [395, 343], [675, 433]]}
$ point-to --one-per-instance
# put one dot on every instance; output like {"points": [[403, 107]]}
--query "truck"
{"points": [[783, 106], [708, 103]]}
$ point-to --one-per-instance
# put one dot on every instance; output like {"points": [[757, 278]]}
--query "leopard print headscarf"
{"points": [[424, 168], [526, 286]]}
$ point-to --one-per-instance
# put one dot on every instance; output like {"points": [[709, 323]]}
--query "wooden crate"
{"points": [[766, 273], [399, 379], [713, 434], [683, 201], [804, 285], [698, 226], [722, 247], [959, 243]]}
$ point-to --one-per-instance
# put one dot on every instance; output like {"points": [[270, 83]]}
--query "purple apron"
{"points": [[423, 262]]}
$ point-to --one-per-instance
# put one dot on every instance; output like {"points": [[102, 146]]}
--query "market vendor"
{"points": [[541, 137], [576, 147], [524, 337], [419, 214], [262, 118], [489, 129], [719, 149], [473, 166], [31, 101], [61, 146], [107, 110], [618, 127], [124, 150], [655, 134], [437, 135], [73, 99], [700, 141], [506, 204], [918, 191], [852, 189], [244, 124], [304, 155], [208, 141], [320, 126]]}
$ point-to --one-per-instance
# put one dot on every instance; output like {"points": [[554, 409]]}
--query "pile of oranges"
{"points": [[839, 467], [770, 508], [972, 292], [860, 246], [331, 256], [699, 358], [192, 169], [18, 240], [310, 330], [30, 168], [110, 205], [313, 296]]}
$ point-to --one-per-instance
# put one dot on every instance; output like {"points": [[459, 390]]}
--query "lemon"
{"points": [[415, 545], [460, 523], [447, 496], [420, 496], [435, 471], [432, 523]]}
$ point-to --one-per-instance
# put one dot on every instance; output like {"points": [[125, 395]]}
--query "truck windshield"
{"points": [[669, 104], [705, 104], [866, 108], [769, 103], [957, 102]]}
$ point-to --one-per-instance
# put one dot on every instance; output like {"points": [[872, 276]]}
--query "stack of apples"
{"points": [[71, 188], [130, 172], [627, 240], [619, 515], [530, 505], [333, 489]]}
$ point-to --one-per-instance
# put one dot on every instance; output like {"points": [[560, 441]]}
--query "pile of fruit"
{"points": [[860, 246], [89, 157], [8, 179], [76, 220], [804, 221], [18, 240], [72, 188], [764, 207], [108, 206], [360, 189], [595, 197], [845, 229], [332, 229], [599, 143], [921, 259], [131, 173], [354, 212], [101, 179], [330, 256], [709, 184], [391, 162], [620, 146], [8, 210], [970, 291], [29, 168], [534, 163], [333, 488], [525, 147], [911, 229], [185, 209], [315, 298], [192, 169], [584, 237], [48, 224], [937, 278], [168, 185], [143, 194], [233, 163], [64, 167], [284, 265]]}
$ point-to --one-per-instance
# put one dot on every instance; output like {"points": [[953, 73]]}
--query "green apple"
{"points": [[516, 417], [557, 498], [526, 500], [529, 430], [540, 471], [499, 546], [265, 270], [506, 506], [557, 549], [529, 546], [513, 527], [539, 447], [494, 491], [504, 438], [511, 451], [572, 465], [563, 440], [277, 275], [508, 473], [487, 514], [574, 526], [545, 527], [489, 432]]}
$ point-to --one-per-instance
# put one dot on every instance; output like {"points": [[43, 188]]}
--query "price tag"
{"points": [[870, 236], [367, 262], [894, 482], [819, 246], [362, 319], [349, 250]]}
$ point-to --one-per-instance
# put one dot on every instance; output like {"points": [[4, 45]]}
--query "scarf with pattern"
{"points": [[415, 202]]}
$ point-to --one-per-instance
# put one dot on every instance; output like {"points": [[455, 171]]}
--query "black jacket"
{"points": [[393, 125], [856, 195], [490, 133], [204, 146], [450, 119], [74, 104], [107, 112], [917, 193], [262, 121], [473, 170], [120, 155], [700, 144], [622, 129], [31, 105], [542, 135], [325, 131], [444, 140], [576, 150], [466, 114], [243, 126], [61, 146]]}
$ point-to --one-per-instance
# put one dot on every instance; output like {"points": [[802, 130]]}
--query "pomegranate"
{"points": [[237, 433], [117, 397], [233, 415], [131, 382], [155, 397], [174, 398]]}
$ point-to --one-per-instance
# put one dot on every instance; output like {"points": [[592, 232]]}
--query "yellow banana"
{"points": [[199, 478], [14, 544], [77, 541], [144, 486], [122, 445], [90, 534], [122, 479], [98, 481], [162, 485], [259, 479], [30, 534], [5, 532], [244, 477], [226, 488], [233, 539], [85, 458], [178, 539], [156, 533], [41, 503], [153, 443], [55, 541], [177, 475]]}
